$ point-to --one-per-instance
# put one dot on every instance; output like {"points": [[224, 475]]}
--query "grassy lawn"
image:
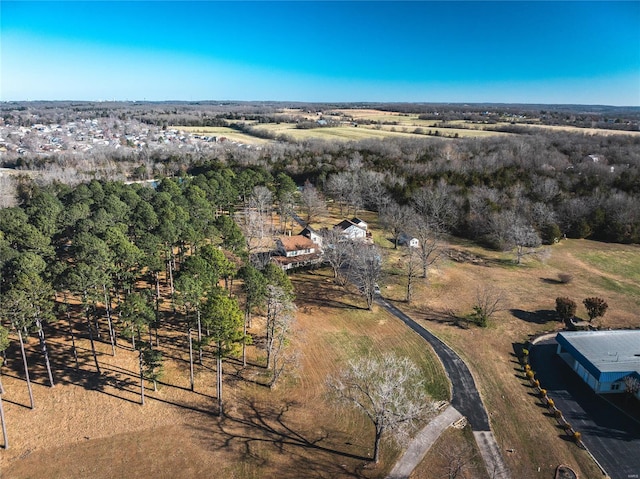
{"points": [[623, 264], [97, 428], [453, 447], [223, 131], [517, 420], [341, 133]]}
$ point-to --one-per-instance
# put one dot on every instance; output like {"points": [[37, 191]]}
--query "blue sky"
{"points": [[455, 51]]}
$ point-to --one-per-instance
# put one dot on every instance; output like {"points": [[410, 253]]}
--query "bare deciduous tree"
{"points": [[312, 202], [388, 390], [396, 219], [280, 314], [365, 267], [524, 237], [412, 265], [337, 250], [489, 300], [261, 201], [338, 187], [428, 236], [434, 203], [281, 354], [631, 386]]}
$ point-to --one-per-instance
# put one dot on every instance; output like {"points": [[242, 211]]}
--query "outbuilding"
{"points": [[603, 359]]}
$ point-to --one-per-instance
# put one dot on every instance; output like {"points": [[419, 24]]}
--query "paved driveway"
{"points": [[611, 436], [465, 396]]}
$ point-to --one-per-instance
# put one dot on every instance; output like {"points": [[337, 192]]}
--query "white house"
{"points": [[408, 240], [313, 235], [602, 359], [296, 252], [297, 245], [351, 230]]}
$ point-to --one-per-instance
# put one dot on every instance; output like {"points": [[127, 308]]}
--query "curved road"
{"points": [[465, 396]]}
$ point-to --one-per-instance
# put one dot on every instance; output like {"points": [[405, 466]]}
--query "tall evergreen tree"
{"points": [[223, 318]]}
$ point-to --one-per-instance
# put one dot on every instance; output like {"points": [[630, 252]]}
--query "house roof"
{"points": [[346, 224], [296, 243], [358, 222], [308, 230], [606, 355]]}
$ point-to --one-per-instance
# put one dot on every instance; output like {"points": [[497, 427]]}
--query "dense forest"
{"points": [[554, 182], [117, 262]]}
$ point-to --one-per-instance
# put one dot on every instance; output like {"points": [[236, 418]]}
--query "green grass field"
{"points": [[223, 131]]}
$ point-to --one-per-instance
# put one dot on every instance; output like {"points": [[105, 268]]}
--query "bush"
{"points": [[557, 414], [565, 278], [550, 403], [536, 383], [530, 374], [525, 352], [577, 436], [566, 308], [550, 233], [543, 392], [596, 307]]}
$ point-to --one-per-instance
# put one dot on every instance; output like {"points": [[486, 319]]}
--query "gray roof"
{"points": [[608, 351]]}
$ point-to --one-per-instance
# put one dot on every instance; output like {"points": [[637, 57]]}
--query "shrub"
{"points": [[536, 383], [577, 436], [543, 392], [551, 403], [557, 414], [596, 307], [566, 308], [527, 367], [525, 352], [550, 233], [565, 278], [530, 374]]}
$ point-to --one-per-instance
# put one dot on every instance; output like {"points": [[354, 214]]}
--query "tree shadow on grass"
{"points": [[311, 292], [249, 425], [541, 316]]}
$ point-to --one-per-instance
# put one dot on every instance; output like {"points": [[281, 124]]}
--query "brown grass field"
{"points": [[89, 428], [388, 125]]}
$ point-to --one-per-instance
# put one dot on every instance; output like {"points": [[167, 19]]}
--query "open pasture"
{"points": [[530, 290], [224, 131]]}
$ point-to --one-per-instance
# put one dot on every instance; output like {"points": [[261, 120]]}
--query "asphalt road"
{"points": [[610, 435], [465, 396]]}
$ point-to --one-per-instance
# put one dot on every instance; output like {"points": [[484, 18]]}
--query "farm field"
{"points": [[341, 133], [223, 131], [86, 428], [386, 125]]}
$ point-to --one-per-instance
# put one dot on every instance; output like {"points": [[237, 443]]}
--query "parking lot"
{"points": [[610, 435]]}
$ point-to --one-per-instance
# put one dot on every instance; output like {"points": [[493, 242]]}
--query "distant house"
{"points": [[296, 252], [407, 240], [602, 359], [351, 230], [313, 235]]}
